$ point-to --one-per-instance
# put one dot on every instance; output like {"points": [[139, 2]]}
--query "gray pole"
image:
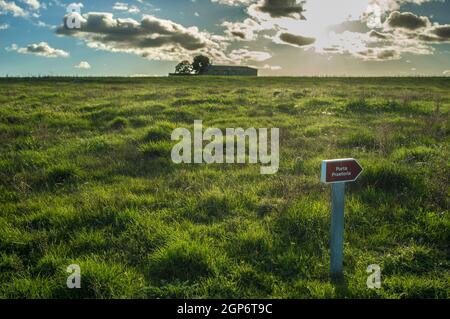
{"points": [[337, 230]]}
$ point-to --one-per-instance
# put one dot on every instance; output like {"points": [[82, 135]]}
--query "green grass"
{"points": [[86, 178]]}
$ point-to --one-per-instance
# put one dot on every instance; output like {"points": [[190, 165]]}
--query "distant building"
{"points": [[230, 70], [224, 70]]}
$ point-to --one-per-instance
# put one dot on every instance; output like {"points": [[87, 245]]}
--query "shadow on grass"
{"points": [[340, 284]]}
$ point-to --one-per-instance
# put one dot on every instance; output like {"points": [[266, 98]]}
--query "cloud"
{"points": [[296, 40], [42, 24], [379, 54], [446, 72], [401, 33], [245, 30], [4, 26], [442, 31], [377, 46], [408, 26], [372, 30], [349, 25], [122, 6], [243, 55], [12, 8], [379, 35], [40, 49], [12, 48], [436, 34], [134, 9], [33, 4], [406, 20], [153, 38], [282, 8], [234, 2], [73, 7], [377, 9], [83, 65]]}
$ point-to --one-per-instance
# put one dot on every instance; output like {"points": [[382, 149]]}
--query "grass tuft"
{"points": [[119, 123]]}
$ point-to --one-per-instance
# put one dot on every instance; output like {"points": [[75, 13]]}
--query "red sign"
{"points": [[340, 170]]}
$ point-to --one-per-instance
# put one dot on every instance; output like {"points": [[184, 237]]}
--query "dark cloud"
{"points": [[442, 31], [331, 49], [238, 34], [379, 35], [378, 54], [296, 39], [283, 8], [437, 33], [406, 20], [387, 54], [407, 27]]}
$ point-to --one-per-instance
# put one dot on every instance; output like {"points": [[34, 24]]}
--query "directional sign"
{"points": [[340, 170]]}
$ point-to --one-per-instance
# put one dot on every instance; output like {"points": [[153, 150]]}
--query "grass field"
{"points": [[86, 178]]}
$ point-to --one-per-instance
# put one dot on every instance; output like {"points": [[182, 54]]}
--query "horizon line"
{"points": [[224, 76]]}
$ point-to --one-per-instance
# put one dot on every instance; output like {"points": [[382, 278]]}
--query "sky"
{"points": [[279, 37]]}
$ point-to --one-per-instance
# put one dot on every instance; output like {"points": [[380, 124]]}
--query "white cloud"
{"points": [[446, 73], [122, 6], [83, 65], [234, 2], [4, 26], [33, 4], [246, 30], [11, 48], [42, 24], [134, 9], [40, 49], [12, 8], [74, 7], [243, 55]]}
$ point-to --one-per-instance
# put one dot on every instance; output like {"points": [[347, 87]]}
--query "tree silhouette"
{"points": [[184, 67], [200, 64]]}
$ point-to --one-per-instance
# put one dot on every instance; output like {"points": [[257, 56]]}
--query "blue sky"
{"points": [[280, 37]]}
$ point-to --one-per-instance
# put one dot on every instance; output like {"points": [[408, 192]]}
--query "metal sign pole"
{"points": [[337, 230], [337, 172]]}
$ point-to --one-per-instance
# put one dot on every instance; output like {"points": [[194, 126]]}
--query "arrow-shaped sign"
{"points": [[340, 170]]}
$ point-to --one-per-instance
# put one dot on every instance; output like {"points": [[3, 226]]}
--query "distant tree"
{"points": [[184, 67], [200, 64]]}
